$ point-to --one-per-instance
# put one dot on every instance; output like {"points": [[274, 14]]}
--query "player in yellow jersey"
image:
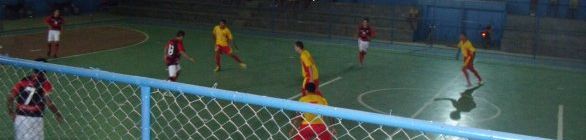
{"points": [[223, 38], [309, 69], [311, 125], [469, 53]]}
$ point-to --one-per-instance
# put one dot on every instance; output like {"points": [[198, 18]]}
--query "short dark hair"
{"points": [[299, 44], [366, 19], [223, 21], [180, 33], [39, 60], [310, 87]]}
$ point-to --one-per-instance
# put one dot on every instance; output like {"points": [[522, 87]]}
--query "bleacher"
{"points": [[339, 19], [557, 36]]}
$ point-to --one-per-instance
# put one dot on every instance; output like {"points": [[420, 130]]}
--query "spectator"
{"points": [[533, 7], [573, 9], [486, 35], [413, 17], [553, 8]]}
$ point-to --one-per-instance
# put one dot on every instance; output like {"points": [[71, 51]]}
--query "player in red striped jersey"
{"points": [[365, 34], [55, 23], [31, 95], [171, 56]]}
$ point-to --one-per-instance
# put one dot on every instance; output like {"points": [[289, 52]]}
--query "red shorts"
{"points": [[308, 132], [224, 49]]}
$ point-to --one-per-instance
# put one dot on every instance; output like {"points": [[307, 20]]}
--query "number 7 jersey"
{"points": [[173, 51]]}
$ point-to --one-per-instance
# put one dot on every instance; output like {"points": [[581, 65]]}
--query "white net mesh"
{"points": [[97, 109]]}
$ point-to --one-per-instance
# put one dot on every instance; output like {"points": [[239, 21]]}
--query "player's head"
{"points": [[310, 88], [463, 36], [180, 34], [365, 21], [299, 46], [56, 13], [223, 23], [39, 74]]}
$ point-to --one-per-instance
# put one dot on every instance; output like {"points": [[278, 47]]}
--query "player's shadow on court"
{"points": [[463, 104]]}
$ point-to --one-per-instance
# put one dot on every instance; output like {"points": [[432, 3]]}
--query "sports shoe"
{"points": [[480, 83], [217, 69], [242, 65]]}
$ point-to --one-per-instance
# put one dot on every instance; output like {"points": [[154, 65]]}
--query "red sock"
{"points": [[236, 58], [172, 79], [217, 55]]}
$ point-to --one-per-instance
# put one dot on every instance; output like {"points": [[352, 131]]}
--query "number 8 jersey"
{"points": [[29, 93], [174, 49]]}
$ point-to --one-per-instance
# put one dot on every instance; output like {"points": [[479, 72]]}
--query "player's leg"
{"points": [[50, 41], [235, 57], [172, 72], [57, 40], [473, 69], [178, 72], [316, 83], [363, 46], [464, 71], [303, 86], [217, 54]]}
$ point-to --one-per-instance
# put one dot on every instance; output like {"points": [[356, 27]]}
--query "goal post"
{"points": [[103, 104]]}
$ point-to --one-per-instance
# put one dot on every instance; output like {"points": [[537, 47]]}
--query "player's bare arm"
{"points": [[53, 109], [187, 56], [10, 106]]}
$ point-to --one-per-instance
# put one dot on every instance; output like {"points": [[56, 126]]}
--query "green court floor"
{"points": [[515, 98]]}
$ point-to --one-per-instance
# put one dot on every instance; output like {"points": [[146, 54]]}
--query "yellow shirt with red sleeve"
{"points": [[309, 118], [308, 64], [467, 50], [222, 36]]}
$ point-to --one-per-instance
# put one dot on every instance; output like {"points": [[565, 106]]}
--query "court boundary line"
{"points": [[324, 84], [147, 37], [430, 101], [560, 130], [363, 104]]}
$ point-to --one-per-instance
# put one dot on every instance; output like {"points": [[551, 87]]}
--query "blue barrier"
{"points": [[359, 116]]}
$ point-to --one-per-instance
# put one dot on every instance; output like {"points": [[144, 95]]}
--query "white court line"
{"points": [[324, 84], [430, 101], [560, 122], [147, 37]]}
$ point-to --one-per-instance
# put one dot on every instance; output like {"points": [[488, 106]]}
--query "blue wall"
{"points": [[451, 17], [388, 2], [44, 7]]}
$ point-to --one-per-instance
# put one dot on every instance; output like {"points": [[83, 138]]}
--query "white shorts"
{"points": [[28, 128], [363, 45], [53, 35], [173, 69]]}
